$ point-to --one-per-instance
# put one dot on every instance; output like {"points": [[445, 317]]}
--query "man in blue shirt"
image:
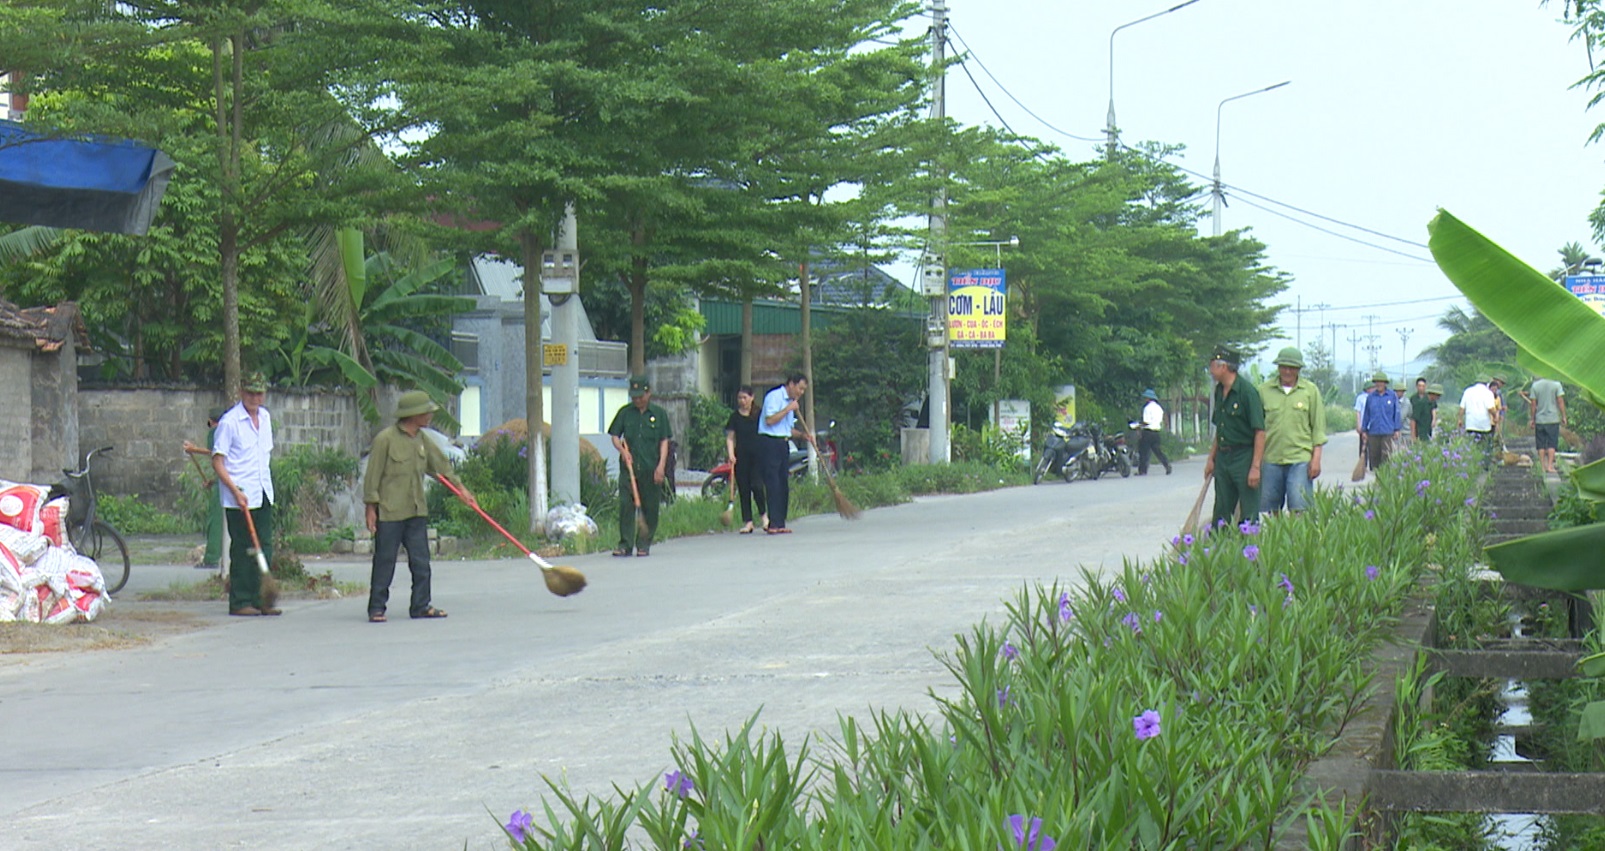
{"points": [[1380, 421], [777, 424]]}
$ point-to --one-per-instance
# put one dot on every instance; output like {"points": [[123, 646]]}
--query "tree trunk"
{"points": [[637, 285], [746, 340], [229, 133]]}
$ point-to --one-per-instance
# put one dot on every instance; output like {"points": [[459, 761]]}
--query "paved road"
{"points": [[318, 730]]}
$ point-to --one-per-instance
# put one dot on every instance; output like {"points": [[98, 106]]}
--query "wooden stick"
{"points": [[1190, 525]]}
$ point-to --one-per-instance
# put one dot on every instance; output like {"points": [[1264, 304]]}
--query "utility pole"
{"points": [[1354, 361], [936, 255], [1298, 321], [560, 278], [1371, 347], [1404, 356]]}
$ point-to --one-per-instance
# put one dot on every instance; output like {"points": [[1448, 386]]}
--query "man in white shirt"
{"points": [[242, 449], [777, 424], [1479, 411], [1153, 427]]}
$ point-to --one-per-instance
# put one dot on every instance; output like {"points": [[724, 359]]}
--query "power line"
{"points": [[971, 54], [1328, 231]]}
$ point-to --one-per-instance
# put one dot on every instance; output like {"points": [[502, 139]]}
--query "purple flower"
{"points": [[679, 784], [1253, 610], [1251, 552], [1370, 515], [1187, 539], [1065, 612], [1009, 652], [1372, 572], [1284, 582], [520, 825], [1120, 596], [1175, 539], [1030, 837], [1132, 621], [692, 841], [1471, 501], [1003, 697], [1146, 725], [1146, 578], [1248, 528], [1422, 486], [1182, 559], [1158, 616], [1493, 515]]}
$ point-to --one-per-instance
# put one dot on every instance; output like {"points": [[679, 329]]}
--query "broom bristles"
{"points": [[270, 591], [844, 506], [563, 580]]}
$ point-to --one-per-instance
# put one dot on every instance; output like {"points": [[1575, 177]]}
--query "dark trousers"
{"points": [[244, 576], [1149, 442], [749, 483], [777, 486], [651, 496], [1377, 449], [1232, 492], [388, 539]]}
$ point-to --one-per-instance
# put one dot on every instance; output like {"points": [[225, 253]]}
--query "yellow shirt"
{"points": [[1295, 421], [394, 480]]}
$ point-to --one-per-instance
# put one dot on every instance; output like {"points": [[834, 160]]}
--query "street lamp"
{"points": [[1109, 153], [997, 354], [1220, 196]]}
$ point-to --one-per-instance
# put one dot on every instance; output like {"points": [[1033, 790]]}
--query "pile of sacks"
{"points": [[42, 578]]}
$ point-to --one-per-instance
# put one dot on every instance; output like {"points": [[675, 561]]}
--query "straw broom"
{"points": [[270, 584], [641, 531], [1190, 525], [560, 579], [1359, 466], [844, 506]]}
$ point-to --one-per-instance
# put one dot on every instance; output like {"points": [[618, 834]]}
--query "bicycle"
{"points": [[90, 535]]}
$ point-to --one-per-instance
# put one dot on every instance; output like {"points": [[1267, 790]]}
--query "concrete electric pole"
{"points": [[560, 278]]}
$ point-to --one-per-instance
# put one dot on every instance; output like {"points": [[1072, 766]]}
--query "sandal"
{"points": [[621, 552], [781, 530], [376, 617], [745, 530], [642, 553], [430, 612]]}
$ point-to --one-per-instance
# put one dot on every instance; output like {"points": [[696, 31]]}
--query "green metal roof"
{"points": [[768, 317]]}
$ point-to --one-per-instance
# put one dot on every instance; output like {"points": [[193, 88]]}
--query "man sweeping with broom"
{"points": [[241, 451], [397, 509], [640, 432]]}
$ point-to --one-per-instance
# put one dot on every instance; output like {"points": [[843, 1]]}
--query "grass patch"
{"points": [[121, 627], [306, 586]]}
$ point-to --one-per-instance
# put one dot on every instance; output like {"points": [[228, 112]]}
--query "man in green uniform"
{"points": [[214, 508], [641, 434], [1239, 447], [397, 510], [1422, 410], [1295, 432]]}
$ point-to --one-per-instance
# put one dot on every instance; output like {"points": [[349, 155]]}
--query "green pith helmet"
{"points": [[1399, 386], [1434, 389], [1290, 356], [1382, 377]]}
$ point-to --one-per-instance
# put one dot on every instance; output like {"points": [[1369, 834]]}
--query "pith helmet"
{"points": [[414, 402], [1290, 356], [1382, 377]]}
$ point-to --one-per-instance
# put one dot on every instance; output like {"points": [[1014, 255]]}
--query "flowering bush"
{"points": [[1175, 704]]}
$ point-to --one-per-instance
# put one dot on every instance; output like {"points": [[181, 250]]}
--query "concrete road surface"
{"points": [[318, 730]]}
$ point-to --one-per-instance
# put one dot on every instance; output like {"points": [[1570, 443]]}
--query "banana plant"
{"points": [[1560, 337]]}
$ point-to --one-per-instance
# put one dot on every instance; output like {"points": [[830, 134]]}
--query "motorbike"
{"points": [[1115, 454], [1064, 453], [718, 480]]}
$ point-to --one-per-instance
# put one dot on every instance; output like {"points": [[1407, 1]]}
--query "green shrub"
{"points": [[958, 477], [304, 478], [703, 448], [989, 447], [133, 515]]}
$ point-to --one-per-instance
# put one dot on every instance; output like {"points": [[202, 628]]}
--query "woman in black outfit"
{"points": [[741, 442]]}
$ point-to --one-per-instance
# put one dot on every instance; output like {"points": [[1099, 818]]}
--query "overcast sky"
{"points": [[1396, 108]]}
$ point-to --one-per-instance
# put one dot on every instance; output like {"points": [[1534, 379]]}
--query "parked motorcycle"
{"points": [[1116, 455], [718, 480], [1063, 453]]}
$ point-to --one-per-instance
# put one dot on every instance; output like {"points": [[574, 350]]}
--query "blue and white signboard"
{"points": [[1590, 289]]}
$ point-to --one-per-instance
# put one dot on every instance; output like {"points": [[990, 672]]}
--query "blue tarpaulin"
{"points": [[87, 183]]}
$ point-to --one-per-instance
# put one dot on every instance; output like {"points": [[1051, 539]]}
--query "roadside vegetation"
{"points": [[1175, 703]]}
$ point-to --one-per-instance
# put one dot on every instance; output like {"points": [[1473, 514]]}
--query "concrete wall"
{"points": [[147, 428], [16, 412], [54, 379]]}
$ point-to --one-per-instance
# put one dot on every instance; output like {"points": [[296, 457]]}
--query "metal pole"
{"points": [[1109, 129], [1219, 195]]}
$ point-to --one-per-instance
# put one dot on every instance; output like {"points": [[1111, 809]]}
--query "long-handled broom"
{"points": [[560, 579], [1190, 525], [641, 530], [844, 506], [1359, 467], [270, 584]]}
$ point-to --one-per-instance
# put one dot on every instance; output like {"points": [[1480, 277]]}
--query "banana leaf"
{"points": [[1552, 327], [1590, 481], [1592, 724], [1556, 334]]}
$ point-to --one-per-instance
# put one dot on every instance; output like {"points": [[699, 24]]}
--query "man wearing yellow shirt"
{"points": [[1295, 432], [397, 512]]}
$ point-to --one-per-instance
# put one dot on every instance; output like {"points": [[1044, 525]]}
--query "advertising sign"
{"points": [[975, 309], [1064, 405], [1014, 418], [1589, 288]]}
